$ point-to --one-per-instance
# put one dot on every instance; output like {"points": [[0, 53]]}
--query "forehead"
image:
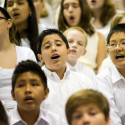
{"points": [[29, 75], [117, 35], [70, 1], [51, 38]]}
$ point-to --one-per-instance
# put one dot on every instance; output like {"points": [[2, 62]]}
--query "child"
{"points": [[53, 50], [77, 46], [29, 89], [77, 13], [111, 82], [87, 107]]}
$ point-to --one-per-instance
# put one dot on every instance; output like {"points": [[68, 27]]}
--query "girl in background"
{"points": [[77, 13], [23, 13]]}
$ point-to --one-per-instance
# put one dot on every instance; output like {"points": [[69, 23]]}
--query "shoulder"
{"points": [[24, 53], [53, 118]]}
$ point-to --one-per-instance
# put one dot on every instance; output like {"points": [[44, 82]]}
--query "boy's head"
{"points": [[53, 49], [77, 40], [29, 85], [116, 45], [87, 106]]}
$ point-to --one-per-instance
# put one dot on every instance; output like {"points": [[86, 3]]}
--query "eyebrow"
{"points": [[48, 42], [23, 80]]}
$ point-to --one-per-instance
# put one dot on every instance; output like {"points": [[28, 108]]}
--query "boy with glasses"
{"points": [[111, 82]]}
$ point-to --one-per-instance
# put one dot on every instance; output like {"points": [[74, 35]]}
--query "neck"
{"points": [[71, 62], [21, 28], [122, 71], [30, 117], [4, 43]]}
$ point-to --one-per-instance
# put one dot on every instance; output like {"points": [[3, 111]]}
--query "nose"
{"points": [[86, 119], [53, 47], [74, 45], [70, 8], [15, 5], [28, 89]]}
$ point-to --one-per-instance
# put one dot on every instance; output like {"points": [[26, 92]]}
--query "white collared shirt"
{"points": [[45, 118], [112, 84], [60, 90], [85, 70]]}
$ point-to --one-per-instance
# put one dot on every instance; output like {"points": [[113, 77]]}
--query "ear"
{"points": [[13, 95], [40, 58], [46, 93], [84, 52], [10, 23], [108, 121]]}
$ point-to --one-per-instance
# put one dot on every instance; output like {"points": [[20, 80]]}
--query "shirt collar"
{"points": [[54, 75], [16, 118], [116, 76]]}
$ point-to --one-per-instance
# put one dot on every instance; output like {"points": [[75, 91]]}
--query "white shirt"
{"points": [[112, 84], [106, 64], [85, 70], [60, 90], [45, 118], [23, 53]]}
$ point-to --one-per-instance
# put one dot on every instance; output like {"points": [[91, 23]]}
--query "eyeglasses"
{"points": [[112, 46], [3, 18]]}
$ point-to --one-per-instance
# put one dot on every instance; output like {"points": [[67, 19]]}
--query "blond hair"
{"points": [[77, 29]]}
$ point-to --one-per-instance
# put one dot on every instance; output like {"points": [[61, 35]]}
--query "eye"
{"points": [[79, 43], [58, 44], [20, 85], [47, 47], [70, 41], [75, 5], [20, 3], [10, 4], [123, 43], [112, 44], [35, 84], [77, 116], [66, 6]]}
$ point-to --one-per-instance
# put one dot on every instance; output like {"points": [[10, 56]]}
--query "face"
{"points": [[95, 4], [88, 115], [72, 12], [76, 44], [38, 7], [29, 91], [19, 10], [54, 53], [117, 54], [4, 26]]}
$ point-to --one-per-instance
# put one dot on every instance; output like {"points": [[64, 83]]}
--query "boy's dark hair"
{"points": [[47, 32], [26, 66], [115, 29]]}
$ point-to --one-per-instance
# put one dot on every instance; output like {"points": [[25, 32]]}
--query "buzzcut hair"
{"points": [[85, 97], [117, 28], [47, 32], [28, 66]]}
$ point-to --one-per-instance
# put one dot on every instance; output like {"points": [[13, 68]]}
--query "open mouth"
{"points": [[120, 57], [72, 18], [73, 51], [55, 56], [28, 99], [93, 1], [15, 14]]}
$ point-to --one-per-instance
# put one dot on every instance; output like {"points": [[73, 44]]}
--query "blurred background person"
{"points": [[77, 13]]}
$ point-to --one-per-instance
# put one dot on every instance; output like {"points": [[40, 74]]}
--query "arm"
{"points": [[102, 52]]}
